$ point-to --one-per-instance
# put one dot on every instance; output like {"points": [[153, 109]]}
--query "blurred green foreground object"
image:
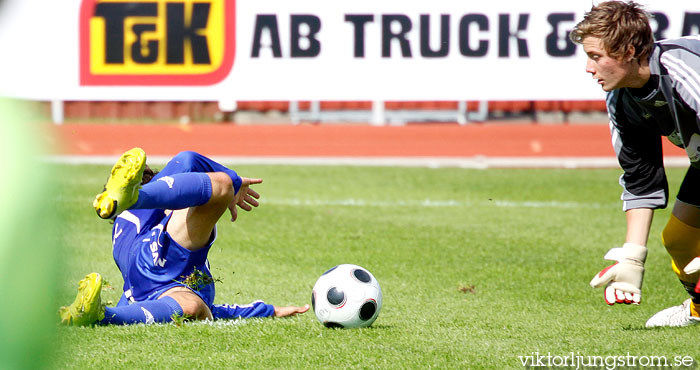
{"points": [[29, 247]]}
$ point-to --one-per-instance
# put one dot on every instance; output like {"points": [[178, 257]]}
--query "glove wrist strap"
{"points": [[634, 252]]}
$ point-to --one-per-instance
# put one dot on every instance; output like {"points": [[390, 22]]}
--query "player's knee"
{"points": [[195, 309], [676, 235], [221, 188], [185, 158], [668, 238]]}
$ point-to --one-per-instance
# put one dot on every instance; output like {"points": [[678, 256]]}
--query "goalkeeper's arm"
{"points": [[623, 280]]}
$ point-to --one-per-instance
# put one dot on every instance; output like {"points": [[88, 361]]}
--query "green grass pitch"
{"points": [[478, 268]]}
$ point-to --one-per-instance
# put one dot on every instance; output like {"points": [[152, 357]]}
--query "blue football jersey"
{"points": [[151, 262]]}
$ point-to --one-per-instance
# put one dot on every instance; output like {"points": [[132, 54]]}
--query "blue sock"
{"points": [[147, 312], [178, 191], [194, 162], [255, 309]]}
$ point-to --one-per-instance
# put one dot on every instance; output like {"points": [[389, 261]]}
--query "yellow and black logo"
{"points": [[156, 42]]}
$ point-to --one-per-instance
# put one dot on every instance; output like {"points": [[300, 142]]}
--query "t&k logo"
{"points": [[156, 42]]}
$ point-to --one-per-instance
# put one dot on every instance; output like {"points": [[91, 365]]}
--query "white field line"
{"points": [[350, 202], [477, 162], [216, 323]]}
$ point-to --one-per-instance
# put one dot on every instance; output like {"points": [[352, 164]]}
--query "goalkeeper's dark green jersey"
{"points": [[668, 105]]}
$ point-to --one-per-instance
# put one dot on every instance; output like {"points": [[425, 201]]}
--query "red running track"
{"points": [[334, 140]]}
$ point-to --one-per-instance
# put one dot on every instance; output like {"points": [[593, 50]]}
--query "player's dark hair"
{"points": [[619, 25], [148, 174]]}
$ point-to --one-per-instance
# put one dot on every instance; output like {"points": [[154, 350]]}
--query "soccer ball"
{"points": [[347, 296]]}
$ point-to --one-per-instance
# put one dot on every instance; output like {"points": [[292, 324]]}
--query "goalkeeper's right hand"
{"points": [[623, 280]]}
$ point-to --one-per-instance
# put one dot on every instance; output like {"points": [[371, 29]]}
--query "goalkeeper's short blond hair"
{"points": [[619, 25]]}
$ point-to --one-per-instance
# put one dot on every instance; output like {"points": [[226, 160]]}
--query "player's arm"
{"points": [[189, 161], [638, 148], [246, 198], [255, 309], [638, 225], [290, 310], [623, 280]]}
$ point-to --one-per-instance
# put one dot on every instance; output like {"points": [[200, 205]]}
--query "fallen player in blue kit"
{"points": [[164, 227]]}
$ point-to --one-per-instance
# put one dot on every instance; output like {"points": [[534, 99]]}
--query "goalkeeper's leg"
{"points": [[682, 241], [682, 234]]}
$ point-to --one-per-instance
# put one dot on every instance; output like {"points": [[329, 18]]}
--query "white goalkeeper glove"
{"points": [[623, 280]]}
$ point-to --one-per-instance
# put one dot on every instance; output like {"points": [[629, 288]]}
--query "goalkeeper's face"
{"points": [[612, 73]]}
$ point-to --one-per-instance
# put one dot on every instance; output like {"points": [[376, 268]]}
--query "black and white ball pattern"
{"points": [[347, 296]]}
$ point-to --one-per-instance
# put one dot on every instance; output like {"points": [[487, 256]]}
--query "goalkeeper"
{"points": [[161, 236], [653, 90]]}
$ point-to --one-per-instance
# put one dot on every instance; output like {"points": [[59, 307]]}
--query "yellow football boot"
{"points": [[87, 307], [122, 188]]}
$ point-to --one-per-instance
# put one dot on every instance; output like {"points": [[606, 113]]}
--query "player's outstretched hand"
{"points": [[290, 311], [623, 280], [691, 268], [246, 198]]}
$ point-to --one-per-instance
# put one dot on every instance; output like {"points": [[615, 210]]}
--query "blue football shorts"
{"points": [[151, 262]]}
